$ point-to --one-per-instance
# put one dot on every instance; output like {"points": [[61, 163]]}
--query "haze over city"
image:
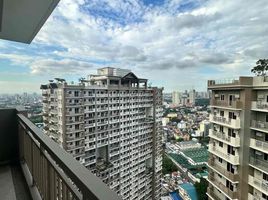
{"points": [[175, 44]]}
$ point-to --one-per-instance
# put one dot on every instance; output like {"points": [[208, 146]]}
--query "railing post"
{"points": [[32, 161]]}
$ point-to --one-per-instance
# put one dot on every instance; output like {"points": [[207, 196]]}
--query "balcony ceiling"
{"points": [[20, 20]]}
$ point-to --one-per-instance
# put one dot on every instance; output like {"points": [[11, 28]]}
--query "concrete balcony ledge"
{"points": [[228, 175], [259, 106], [260, 185], [211, 194], [220, 186], [49, 171], [233, 141], [225, 104], [232, 123], [259, 145], [259, 163], [259, 125], [224, 155]]}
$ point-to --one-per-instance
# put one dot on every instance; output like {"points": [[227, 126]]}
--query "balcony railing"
{"points": [[234, 159], [261, 185], [233, 123], [258, 144], [231, 104], [258, 105], [234, 141], [50, 171], [259, 125], [224, 172], [260, 163], [222, 187], [211, 193]]}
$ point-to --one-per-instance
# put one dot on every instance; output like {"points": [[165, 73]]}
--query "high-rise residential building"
{"points": [[111, 123], [175, 98], [238, 146], [192, 95]]}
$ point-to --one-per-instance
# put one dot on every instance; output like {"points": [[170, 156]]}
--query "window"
{"points": [[267, 98], [220, 160], [231, 132], [221, 129], [222, 113], [265, 177], [70, 92], [265, 156], [232, 115], [222, 97], [266, 117], [76, 93], [264, 196], [221, 144]]}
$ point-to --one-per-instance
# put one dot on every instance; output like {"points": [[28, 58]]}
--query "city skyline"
{"points": [[176, 44]]}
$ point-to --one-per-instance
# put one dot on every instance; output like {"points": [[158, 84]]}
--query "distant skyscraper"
{"points": [[111, 123], [192, 95], [175, 98]]}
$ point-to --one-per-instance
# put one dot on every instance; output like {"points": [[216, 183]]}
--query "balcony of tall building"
{"points": [[33, 166], [224, 137], [227, 153], [258, 160], [259, 125], [224, 121], [229, 190], [234, 104], [258, 183], [229, 174]]}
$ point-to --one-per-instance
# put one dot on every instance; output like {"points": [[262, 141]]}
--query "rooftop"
{"points": [[242, 81]]}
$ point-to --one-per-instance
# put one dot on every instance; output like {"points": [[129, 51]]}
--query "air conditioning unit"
{"points": [[216, 95], [237, 96]]}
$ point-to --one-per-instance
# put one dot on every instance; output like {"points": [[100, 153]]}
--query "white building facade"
{"points": [[111, 124]]}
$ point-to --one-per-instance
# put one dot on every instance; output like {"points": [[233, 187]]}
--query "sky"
{"points": [[176, 44]]}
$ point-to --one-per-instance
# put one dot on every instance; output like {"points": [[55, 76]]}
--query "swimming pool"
{"points": [[190, 189], [175, 196]]}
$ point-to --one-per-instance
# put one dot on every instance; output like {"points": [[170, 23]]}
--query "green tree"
{"points": [[201, 189], [261, 67], [180, 139], [168, 166]]}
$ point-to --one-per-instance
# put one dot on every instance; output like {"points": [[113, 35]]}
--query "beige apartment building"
{"points": [[111, 123], [238, 162]]}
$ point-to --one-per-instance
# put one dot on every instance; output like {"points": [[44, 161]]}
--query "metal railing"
{"points": [[54, 172], [259, 124], [229, 175], [232, 104], [222, 187], [211, 193], [260, 163]]}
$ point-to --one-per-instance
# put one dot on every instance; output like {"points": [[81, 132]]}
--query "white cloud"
{"points": [[171, 38]]}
